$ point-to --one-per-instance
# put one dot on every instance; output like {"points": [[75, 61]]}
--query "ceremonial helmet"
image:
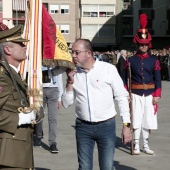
{"points": [[143, 36]]}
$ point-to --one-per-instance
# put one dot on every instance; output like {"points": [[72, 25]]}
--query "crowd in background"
{"points": [[163, 55]]}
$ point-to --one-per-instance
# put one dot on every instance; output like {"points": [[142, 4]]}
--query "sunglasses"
{"points": [[20, 43], [143, 44]]}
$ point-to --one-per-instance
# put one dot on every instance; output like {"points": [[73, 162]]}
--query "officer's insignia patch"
{"points": [[0, 89], [1, 69]]}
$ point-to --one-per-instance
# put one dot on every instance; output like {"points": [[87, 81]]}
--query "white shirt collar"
{"points": [[16, 69]]}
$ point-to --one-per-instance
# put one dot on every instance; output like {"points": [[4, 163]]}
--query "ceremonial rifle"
{"points": [[130, 106]]}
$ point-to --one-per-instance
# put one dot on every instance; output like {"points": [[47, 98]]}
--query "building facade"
{"points": [[98, 22], [158, 13], [12, 12], [65, 14], [109, 24]]}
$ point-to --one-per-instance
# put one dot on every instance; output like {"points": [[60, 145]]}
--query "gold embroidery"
{"points": [[144, 36], [1, 69]]}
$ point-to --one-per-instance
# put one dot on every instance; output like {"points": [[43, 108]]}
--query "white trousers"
{"points": [[143, 113]]}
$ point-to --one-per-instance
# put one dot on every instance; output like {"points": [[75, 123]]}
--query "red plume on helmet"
{"points": [[143, 36], [3, 27]]}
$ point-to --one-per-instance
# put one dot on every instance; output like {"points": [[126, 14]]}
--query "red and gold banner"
{"points": [[55, 48], [49, 36], [47, 47]]}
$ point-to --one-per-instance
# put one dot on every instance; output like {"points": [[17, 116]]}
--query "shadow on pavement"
{"points": [[45, 146], [122, 167], [124, 148], [38, 168]]}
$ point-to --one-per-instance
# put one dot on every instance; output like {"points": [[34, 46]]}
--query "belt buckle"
{"points": [[145, 86], [94, 123]]}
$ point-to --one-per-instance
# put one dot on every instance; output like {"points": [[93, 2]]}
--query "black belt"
{"points": [[94, 123]]}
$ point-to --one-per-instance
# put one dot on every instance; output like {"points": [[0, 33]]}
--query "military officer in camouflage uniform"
{"points": [[16, 130]]}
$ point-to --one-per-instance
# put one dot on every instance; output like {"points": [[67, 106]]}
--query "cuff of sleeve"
{"points": [[157, 93], [126, 119]]}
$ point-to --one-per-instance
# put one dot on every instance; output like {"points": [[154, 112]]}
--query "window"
{"points": [[64, 9], [127, 27], [98, 10], [54, 9], [90, 10], [168, 18], [106, 10], [168, 22], [19, 5], [150, 13], [96, 30], [19, 22], [146, 3], [19, 14], [65, 29], [89, 30]]}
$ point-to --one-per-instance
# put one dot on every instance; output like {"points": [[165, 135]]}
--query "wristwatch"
{"points": [[126, 124]]}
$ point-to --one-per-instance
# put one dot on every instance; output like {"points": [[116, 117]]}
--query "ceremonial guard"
{"points": [[145, 87], [16, 117]]}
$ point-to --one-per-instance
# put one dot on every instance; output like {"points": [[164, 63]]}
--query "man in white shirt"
{"points": [[52, 92], [93, 84]]}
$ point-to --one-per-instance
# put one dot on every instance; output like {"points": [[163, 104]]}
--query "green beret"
{"points": [[12, 35]]}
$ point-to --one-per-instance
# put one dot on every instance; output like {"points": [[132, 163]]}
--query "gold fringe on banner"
{"points": [[59, 63]]}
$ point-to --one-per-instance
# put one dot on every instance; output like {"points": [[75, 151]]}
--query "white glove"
{"points": [[26, 118]]}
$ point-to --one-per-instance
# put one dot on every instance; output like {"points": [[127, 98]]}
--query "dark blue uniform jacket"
{"points": [[145, 69]]}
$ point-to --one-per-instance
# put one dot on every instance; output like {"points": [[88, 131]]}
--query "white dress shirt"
{"points": [[94, 91], [16, 69], [56, 81]]}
